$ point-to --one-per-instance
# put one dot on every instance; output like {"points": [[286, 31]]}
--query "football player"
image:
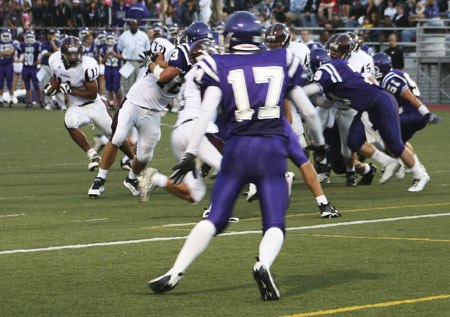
{"points": [[7, 51], [49, 46], [30, 50], [142, 108], [252, 87], [414, 115], [76, 77], [339, 81]]}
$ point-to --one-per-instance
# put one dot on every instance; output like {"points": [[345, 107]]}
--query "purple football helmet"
{"points": [[383, 65], [318, 57], [197, 31], [243, 32]]}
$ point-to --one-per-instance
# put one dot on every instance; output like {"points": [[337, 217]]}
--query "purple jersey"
{"points": [[179, 58], [30, 53], [47, 46], [89, 51], [253, 89], [315, 45], [6, 46], [341, 83], [111, 61]]}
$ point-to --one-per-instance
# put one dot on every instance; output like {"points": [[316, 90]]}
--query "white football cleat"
{"points": [[419, 183], [94, 162], [146, 184], [389, 170]]}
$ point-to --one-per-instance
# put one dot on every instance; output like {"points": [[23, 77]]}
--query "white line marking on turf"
{"points": [[89, 220], [12, 215], [329, 225]]}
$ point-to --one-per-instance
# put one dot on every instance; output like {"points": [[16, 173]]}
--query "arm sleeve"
{"points": [[313, 89], [210, 102]]}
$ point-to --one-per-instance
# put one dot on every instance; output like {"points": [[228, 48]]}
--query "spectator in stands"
{"points": [[264, 19], [278, 14], [62, 15], [415, 12], [47, 13], [356, 12], [326, 9], [369, 9], [77, 15], [104, 13], [309, 16], [395, 52], [36, 10], [324, 36], [296, 9], [91, 15], [139, 12], [346, 6], [181, 15], [205, 7], [193, 12], [13, 18], [386, 23], [431, 9], [119, 13], [27, 15], [217, 11], [152, 9], [334, 23], [401, 18], [168, 16], [305, 37], [390, 10], [265, 6]]}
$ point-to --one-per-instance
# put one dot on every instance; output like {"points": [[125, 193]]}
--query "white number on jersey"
{"points": [[272, 75]]}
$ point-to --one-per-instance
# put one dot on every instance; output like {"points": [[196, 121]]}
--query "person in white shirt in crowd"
{"points": [[132, 44]]}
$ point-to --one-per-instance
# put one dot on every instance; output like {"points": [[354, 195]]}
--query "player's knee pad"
{"points": [[71, 122]]}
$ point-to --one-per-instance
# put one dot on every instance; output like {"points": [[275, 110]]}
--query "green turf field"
{"points": [[63, 254]]}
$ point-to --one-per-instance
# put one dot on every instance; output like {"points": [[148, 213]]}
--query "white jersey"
{"points": [[362, 62], [191, 101], [148, 93], [301, 50], [77, 76]]}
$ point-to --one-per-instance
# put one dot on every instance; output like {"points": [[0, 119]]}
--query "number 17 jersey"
{"points": [[253, 87]]}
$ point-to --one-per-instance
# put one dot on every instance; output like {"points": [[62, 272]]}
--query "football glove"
{"points": [[186, 165], [65, 88], [431, 118], [49, 90]]}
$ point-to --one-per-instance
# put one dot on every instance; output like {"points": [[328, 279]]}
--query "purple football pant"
{"points": [[112, 79], [383, 113], [258, 160], [6, 71], [411, 121], [28, 76]]}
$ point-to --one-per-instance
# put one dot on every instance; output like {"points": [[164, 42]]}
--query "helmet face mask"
{"points": [[383, 65], [318, 57], [200, 49], [277, 35], [339, 46], [6, 36], [30, 38], [71, 52], [110, 39]]}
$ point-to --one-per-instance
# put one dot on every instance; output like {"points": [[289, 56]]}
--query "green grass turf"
{"points": [[43, 203]]}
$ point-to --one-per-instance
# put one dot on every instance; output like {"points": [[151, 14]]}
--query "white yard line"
{"points": [[328, 225], [90, 220], [12, 215]]}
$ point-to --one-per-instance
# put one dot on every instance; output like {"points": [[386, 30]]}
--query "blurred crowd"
{"points": [[20, 15]]}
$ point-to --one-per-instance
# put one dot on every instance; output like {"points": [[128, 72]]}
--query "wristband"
{"points": [[157, 71], [423, 110]]}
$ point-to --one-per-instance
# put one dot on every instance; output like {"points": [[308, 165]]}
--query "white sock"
{"points": [[125, 158], [102, 173], [131, 175], [321, 200], [366, 169], [417, 171], [196, 243], [270, 246], [381, 157], [90, 153], [104, 140], [160, 180]]}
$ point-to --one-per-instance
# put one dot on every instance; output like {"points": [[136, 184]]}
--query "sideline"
{"points": [[377, 305], [235, 233]]}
